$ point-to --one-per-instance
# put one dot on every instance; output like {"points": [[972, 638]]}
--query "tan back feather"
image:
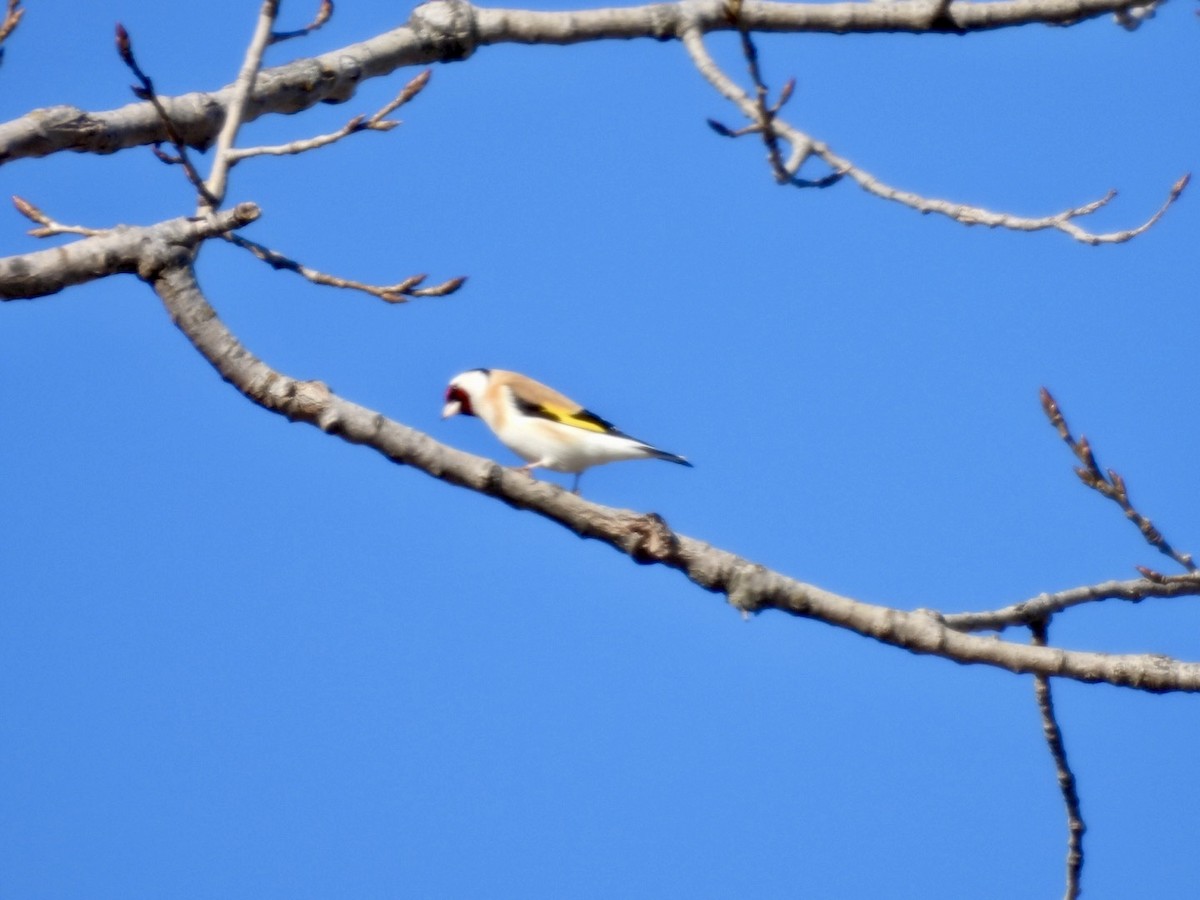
{"points": [[531, 391]]}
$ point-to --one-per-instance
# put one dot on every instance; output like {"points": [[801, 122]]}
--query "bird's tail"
{"points": [[669, 457]]}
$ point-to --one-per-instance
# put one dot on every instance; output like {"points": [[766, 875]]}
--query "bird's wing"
{"points": [[577, 417], [532, 398]]}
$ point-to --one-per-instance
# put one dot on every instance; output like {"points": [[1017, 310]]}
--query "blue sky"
{"points": [[241, 658]]}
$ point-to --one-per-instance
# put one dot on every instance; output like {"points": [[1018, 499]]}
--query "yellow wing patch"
{"points": [[579, 418]]}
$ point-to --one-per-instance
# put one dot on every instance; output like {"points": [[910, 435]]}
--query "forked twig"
{"points": [[145, 91], [400, 292], [376, 122], [1066, 778], [1110, 484], [49, 226], [765, 115]]}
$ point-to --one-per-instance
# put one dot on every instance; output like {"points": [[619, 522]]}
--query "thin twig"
{"points": [[803, 147], [323, 13], [400, 292], [49, 226], [1109, 483], [1151, 585], [218, 176], [146, 92], [376, 122], [12, 18], [1066, 779], [765, 115]]}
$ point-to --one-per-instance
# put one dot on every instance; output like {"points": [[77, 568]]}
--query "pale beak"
{"points": [[453, 408]]}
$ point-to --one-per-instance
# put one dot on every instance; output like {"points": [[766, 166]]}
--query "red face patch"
{"points": [[455, 394]]}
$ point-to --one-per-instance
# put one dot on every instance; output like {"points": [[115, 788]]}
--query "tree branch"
{"points": [[122, 249], [214, 188], [400, 292], [803, 146], [50, 227], [146, 92], [450, 30], [376, 122], [1066, 778], [1045, 605], [1109, 483], [645, 538]]}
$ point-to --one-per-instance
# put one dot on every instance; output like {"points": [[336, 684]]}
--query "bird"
{"points": [[543, 427]]}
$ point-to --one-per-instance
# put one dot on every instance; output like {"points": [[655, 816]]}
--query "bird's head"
{"points": [[464, 392]]}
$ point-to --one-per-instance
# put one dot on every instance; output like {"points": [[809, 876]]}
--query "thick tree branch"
{"points": [[646, 538], [449, 30], [122, 249]]}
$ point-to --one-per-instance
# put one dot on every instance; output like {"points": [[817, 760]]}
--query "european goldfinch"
{"points": [[542, 426]]}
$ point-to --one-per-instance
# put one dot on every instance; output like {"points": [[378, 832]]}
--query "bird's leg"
{"points": [[575, 486]]}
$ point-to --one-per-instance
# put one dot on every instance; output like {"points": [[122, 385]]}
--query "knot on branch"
{"points": [[310, 398], [447, 28], [155, 254], [745, 589], [664, 21], [648, 539]]}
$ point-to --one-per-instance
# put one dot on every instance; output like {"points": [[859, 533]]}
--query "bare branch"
{"points": [[235, 114], [1109, 483], [324, 11], [1066, 779], [1046, 605], [975, 215], [377, 122], [803, 147], [49, 226], [121, 249], [645, 538], [146, 92], [400, 292], [451, 30]]}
